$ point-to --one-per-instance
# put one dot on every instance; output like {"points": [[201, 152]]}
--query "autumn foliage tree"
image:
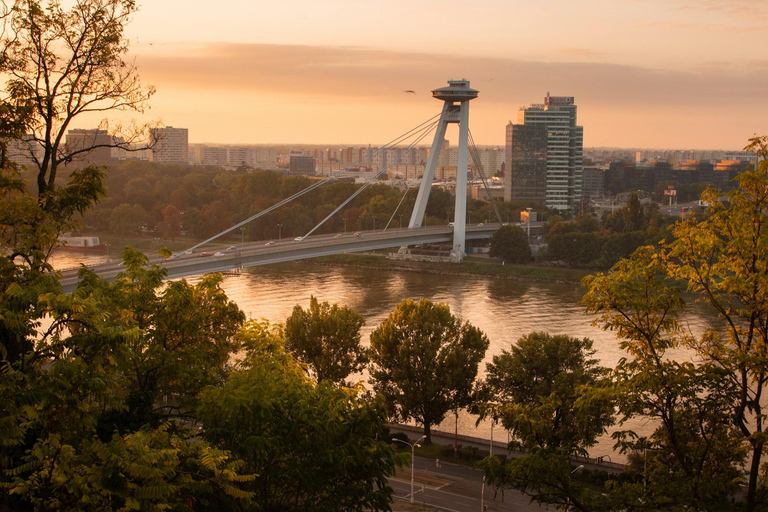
{"points": [[703, 406]]}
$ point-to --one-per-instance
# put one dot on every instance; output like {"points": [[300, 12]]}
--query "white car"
{"points": [[218, 254], [298, 239]]}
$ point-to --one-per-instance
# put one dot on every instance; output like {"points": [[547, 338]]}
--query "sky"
{"points": [[686, 74]]}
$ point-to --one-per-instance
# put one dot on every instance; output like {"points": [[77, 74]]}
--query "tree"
{"points": [[171, 224], [421, 356], [694, 451], [723, 261], [327, 339], [128, 219], [510, 243], [62, 65], [556, 401], [86, 402], [312, 446]]}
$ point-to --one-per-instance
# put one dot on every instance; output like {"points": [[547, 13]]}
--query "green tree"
{"points": [[311, 445], [556, 401], [575, 248], [510, 243], [88, 398], [128, 219], [421, 357], [327, 339], [634, 214]]}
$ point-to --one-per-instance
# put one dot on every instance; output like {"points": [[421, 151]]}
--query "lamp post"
{"points": [[374, 223], [568, 498], [401, 221], [279, 231], [529, 221], [242, 236], [345, 225], [482, 496], [413, 455], [107, 252]]}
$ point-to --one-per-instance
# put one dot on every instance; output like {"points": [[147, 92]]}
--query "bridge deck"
{"points": [[258, 253]]}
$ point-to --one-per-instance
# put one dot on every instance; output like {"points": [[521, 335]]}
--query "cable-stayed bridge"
{"points": [[455, 97], [259, 253]]}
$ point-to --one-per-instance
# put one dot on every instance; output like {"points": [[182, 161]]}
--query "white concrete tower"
{"points": [[458, 91]]}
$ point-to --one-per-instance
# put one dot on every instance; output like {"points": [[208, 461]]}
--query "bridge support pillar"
{"points": [[456, 97]]}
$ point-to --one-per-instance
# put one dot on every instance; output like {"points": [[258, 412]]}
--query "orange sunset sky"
{"points": [[645, 73]]}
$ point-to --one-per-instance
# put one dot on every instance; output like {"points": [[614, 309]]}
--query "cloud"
{"points": [[360, 74], [259, 93]]}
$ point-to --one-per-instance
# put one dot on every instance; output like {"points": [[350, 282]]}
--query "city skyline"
{"points": [[646, 73]]}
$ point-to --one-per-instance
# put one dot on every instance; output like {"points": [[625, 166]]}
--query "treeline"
{"points": [[600, 242], [201, 201]]}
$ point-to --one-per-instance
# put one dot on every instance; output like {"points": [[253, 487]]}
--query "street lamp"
{"points": [[568, 498], [242, 236], [374, 223], [413, 455], [529, 221], [401, 221], [107, 252], [279, 231], [345, 225], [482, 496]]}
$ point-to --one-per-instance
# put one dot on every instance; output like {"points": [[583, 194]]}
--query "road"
{"points": [[453, 488]]}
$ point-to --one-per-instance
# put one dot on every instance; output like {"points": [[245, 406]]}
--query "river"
{"points": [[503, 309]]}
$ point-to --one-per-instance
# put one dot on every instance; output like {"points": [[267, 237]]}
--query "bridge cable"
{"points": [[424, 133], [407, 189], [312, 187], [306, 190], [479, 166]]}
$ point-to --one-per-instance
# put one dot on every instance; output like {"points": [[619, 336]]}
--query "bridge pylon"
{"points": [[456, 97]]}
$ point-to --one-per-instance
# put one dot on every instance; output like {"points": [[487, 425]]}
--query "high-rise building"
{"points": [[544, 152], [170, 145], [95, 146]]}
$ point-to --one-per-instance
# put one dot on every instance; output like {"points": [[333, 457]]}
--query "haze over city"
{"points": [[645, 73]]}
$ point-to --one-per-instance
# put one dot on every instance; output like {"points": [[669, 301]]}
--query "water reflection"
{"points": [[505, 310]]}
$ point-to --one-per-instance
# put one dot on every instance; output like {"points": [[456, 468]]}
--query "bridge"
{"points": [[265, 253], [455, 97]]}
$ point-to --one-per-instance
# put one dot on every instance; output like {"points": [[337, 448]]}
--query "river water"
{"points": [[503, 309]]}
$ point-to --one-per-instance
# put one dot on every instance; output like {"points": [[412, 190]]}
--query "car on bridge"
{"points": [[298, 239], [358, 235], [271, 242]]}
